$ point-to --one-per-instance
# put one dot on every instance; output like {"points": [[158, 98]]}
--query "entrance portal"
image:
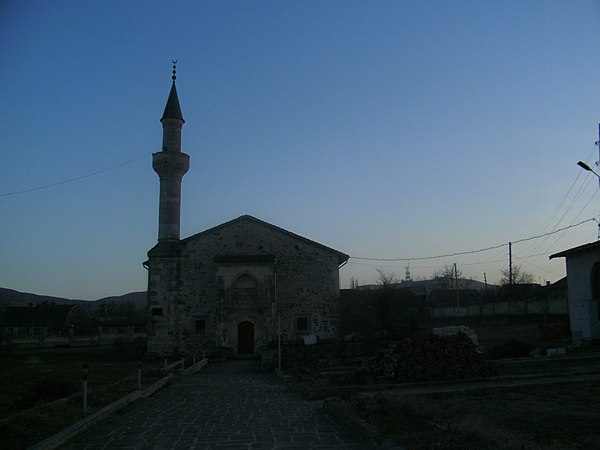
{"points": [[246, 337]]}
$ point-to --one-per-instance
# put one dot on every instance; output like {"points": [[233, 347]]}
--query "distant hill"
{"points": [[9, 297], [435, 283], [139, 299]]}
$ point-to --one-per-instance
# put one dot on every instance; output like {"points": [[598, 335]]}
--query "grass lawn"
{"points": [[555, 417], [32, 380]]}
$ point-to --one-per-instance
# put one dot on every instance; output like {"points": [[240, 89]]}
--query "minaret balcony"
{"points": [[170, 165]]}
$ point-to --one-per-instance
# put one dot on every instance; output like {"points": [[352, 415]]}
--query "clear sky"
{"points": [[383, 129]]}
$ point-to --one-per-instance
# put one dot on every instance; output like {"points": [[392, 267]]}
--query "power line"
{"points": [[558, 238], [536, 266], [469, 252], [535, 248], [436, 266], [70, 180], [429, 257], [554, 231]]}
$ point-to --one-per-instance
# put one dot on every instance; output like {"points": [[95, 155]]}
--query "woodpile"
{"points": [[428, 358], [414, 359]]}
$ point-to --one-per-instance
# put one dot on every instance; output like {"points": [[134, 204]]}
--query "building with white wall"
{"points": [[583, 279]]}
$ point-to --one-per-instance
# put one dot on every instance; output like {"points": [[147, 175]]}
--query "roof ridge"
{"points": [[342, 257]]}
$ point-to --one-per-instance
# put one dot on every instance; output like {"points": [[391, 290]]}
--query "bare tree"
{"points": [[519, 276], [448, 271], [353, 283], [449, 274], [386, 279]]}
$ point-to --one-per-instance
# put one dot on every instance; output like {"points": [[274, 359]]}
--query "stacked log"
{"points": [[428, 358]]}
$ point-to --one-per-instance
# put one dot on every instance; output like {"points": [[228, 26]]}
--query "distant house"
{"points": [[557, 290], [583, 279], [45, 319]]}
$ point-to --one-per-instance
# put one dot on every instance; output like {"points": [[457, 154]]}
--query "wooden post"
{"points": [[139, 375], [84, 373], [510, 276]]}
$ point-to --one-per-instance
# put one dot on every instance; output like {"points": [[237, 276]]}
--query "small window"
{"points": [[301, 324], [157, 311], [200, 326]]}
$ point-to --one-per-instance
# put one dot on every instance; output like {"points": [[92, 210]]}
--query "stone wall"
{"points": [[242, 271]]}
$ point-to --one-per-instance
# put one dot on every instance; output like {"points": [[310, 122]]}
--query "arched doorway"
{"points": [[246, 337]]}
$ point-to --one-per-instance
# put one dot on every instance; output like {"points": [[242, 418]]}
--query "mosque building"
{"points": [[239, 285]]}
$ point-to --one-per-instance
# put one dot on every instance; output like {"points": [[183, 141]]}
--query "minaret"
{"points": [[171, 165]]}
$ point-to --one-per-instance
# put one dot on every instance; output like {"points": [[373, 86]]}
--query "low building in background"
{"points": [[583, 279]]}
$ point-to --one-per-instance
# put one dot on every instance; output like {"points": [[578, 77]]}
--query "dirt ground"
{"points": [[552, 416], [40, 389]]}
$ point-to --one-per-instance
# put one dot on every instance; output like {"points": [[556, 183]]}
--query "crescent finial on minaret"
{"points": [[172, 109]]}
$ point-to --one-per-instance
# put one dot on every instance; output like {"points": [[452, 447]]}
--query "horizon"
{"points": [[400, 133], [395, 283]]}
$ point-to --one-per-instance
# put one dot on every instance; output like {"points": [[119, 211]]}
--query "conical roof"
{"points": [[172, 109]]}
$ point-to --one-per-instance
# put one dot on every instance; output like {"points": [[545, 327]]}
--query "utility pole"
{"points": [[486, 300], [510, 275], [456, 285], [485, 281]]}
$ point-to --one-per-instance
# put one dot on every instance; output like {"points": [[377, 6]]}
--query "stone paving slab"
{"points": [[230, 405]]}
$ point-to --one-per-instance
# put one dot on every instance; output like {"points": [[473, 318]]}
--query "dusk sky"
{"points": [[384, 129]]}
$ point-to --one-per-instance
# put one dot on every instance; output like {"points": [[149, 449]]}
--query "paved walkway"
{"points": [[228, 405]]}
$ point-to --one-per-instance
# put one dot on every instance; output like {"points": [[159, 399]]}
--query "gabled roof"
{"points": [[342, 257], [582, 248]]}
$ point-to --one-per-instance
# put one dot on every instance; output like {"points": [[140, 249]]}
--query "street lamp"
{"points": [[584, 166]]}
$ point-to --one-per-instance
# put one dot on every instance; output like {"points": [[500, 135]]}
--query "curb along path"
{"points": [[226, 405]]}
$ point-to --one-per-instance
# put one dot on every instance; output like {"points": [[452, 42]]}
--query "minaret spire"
{"points": [[172, 108], [171, 164]]}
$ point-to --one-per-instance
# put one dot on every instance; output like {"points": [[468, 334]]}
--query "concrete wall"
{"points": [[552, 306]]}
